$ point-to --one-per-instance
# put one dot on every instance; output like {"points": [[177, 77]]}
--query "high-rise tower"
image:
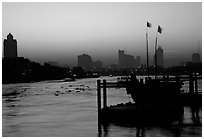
{"points": [[196, 58], [10, 47], [160, 57], [120, 58], [85, 61]]}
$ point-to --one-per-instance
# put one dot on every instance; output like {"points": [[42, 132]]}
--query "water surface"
{"points": [[69, 109]]}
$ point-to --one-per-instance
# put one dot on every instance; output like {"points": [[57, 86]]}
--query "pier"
{"points": [[131, 111]]}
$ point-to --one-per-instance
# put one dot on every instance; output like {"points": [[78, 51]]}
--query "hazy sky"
{"points": [[61, 31]]}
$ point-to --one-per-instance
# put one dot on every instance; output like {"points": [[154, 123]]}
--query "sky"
{"points": [[62, 31]]}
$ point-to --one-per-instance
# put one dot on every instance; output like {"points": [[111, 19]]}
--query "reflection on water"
{"points": [[35, 110], [190, 127]]}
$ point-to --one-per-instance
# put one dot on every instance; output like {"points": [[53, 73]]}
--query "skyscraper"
{"points": [[125, 60], [10, 47], [120, 58], [160, 57], [85, 61], [195, 58]]}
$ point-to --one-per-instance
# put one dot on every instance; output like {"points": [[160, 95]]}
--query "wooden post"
{"points": [[104, 94], [167, 79], [164, 79], [177, 80], [126, 79], [141, 81], [191, 88], [99, 99], [178, 83], [196, 85]]}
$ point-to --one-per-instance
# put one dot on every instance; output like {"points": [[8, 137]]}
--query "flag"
{"points": [[159, 29], [149, 25]]}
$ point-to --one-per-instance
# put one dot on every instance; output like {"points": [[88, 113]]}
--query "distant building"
{"points": [[125, 61], [85, 61], [160, 57], [97, 64], [78, 72], [195, 58], [53, 63], [182, 63], [10, 47], [121, 53], [188, 63], [113, 66]]}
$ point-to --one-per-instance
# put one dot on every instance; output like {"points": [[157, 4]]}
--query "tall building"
{"points": [[160, 57], [10, 47], [125, 60], [121, 54], [85, 61], [195, 58]]}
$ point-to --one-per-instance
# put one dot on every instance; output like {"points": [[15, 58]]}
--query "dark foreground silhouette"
{"points": [[156, 102]]}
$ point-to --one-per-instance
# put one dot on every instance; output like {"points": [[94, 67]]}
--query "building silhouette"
{"points": [[113, 66], [120, 58], [160, 57], [53, 63], [85, 61], [195, 58], [97, 64], [127, 61], [10, 47]]}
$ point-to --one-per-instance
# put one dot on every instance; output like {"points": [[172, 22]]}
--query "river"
{"points": [[69, 109]]}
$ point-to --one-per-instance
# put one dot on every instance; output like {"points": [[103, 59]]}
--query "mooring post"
{"points": [[104, 94], [141, 81], [177, 80], [178, 83], [196, 84], [164, 79], [146, 80], [126, 79], [191, 88], [99, 99], [167, 79]]}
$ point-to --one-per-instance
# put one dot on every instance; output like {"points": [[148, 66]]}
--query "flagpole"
{"points": [[147, 52], [156, 56]]}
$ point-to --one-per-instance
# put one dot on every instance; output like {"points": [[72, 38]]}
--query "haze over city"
{"points": [[62, 31], [102, 69]]}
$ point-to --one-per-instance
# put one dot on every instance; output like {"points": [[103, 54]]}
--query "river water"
{"points": [[69, 109]]}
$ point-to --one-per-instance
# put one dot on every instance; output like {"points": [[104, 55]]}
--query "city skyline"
{"points": [[62, 31], [85, 60]]}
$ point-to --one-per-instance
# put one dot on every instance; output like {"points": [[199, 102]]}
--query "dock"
{"points": [[130, 112]]}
